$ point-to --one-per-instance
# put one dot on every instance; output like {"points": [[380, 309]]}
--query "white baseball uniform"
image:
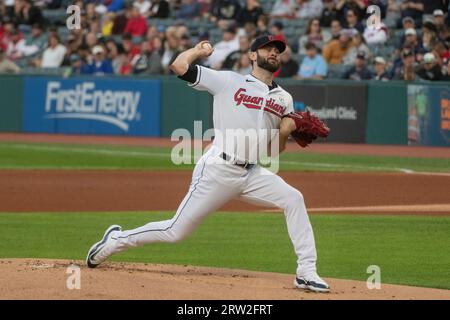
{"points": [[240, 103]]}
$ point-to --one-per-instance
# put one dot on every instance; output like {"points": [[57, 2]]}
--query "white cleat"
{"points": [[312, 282], [101, 250]]}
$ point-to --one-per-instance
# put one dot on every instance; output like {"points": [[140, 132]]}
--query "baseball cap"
{"points": [[410, 32], [361, 55], [408, 19], [264, 40], [429, 58], [407, 53], [438, 12], [97, 49], [380, 60]]}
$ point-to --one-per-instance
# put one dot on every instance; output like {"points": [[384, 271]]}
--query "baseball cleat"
{"points": [[101, 250], [312, 282]]}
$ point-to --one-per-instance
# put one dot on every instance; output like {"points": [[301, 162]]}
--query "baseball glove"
{"points": [[308, 127]]}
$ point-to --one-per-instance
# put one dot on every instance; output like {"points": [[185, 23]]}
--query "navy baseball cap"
{"points": [[264, 40]]}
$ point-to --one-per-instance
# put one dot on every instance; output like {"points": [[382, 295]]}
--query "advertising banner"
{"points": [[92, 106], [428, 115], [342, 107]]}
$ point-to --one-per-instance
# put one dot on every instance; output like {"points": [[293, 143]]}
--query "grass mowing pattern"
{"points": [[409, 250], [63, 156]]}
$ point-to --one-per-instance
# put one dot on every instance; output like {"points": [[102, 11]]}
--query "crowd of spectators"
{"points": [[410, 42]]}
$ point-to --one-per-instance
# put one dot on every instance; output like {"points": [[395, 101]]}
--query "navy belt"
{"points": [[245, 165]]}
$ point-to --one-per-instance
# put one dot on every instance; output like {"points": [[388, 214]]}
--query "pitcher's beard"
{"points": [[266, 65]]}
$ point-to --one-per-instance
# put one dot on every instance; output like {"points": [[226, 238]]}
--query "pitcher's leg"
{"points": [[204, 197], [265, 188]]}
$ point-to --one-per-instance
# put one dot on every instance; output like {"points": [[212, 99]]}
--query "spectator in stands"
{"points": [[313, 65], [29, 14], [189, 9], [380, 70], [131, 49], [120, 21], [430, 70], [53, 56], [244, 65], [159, 9], [224, 11], [185, 42], [429, 35], [91, 14], [308, 9], [376, 35], [77, 65], [430, 6], [283, 9], [412, 41], [276, 29], [335, 29], [91, 40], [249, 13], [289, 67], [171, 50], [6, 65], [116, 54], [149, 61], [329, 13], [313, 34], [335, 50], [34, 42], [252, 31], [137, 24], [439, 22], [16, 42], [223, 48], [143, 6], [413, 9], [358, 45], [359, 71], [357, 6], [262, 25], [100, 65], [405, 68], [233, 57], [352, 21], [441, 52], [108, 24]]}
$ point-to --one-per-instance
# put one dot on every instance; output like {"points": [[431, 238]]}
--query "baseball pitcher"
{"points": [[229, 168]]}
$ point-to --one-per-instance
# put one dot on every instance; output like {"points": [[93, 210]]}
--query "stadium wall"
{"points": [[364, 112], [11, 94]]}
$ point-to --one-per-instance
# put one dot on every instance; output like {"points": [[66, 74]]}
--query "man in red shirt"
{"points": [[136, 25]]}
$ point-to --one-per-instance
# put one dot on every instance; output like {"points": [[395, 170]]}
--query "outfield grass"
{"points": [[410, 250], [62, 156]]}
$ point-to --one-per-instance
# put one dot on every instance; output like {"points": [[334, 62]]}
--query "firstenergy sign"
{"points": [[85, 101]]}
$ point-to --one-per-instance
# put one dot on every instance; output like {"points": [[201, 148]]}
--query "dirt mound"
{"points": [[47, 279]]}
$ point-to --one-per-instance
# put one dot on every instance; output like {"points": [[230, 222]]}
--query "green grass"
{"points": [[409, 250], [63, 156]]}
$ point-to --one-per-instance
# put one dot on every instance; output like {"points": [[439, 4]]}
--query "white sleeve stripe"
{"points": [[198, 77]]}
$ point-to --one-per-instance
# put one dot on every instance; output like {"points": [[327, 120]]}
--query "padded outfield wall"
{"points": [[396, 113]]}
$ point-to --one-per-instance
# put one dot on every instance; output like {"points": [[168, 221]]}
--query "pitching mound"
{"points": [[47, 279]]}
